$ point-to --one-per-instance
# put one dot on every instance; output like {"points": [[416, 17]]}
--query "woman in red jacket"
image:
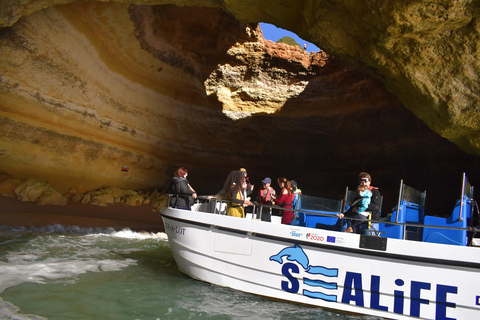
{"points": [[285, 199]]}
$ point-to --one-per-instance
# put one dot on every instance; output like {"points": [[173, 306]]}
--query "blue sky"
{"points": [[270, 32]]}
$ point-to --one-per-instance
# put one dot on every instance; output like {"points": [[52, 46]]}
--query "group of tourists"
{"points": [[237, 191]]}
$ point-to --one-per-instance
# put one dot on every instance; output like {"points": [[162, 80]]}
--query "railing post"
{"points": [[460, 219], [214, 204], [344, 204], [399, 199]]}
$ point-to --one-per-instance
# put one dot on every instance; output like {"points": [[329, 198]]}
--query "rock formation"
{"points": [[424, 51], [97, 94]]}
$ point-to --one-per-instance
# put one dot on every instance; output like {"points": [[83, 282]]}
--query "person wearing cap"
{"points": [[265, 196]]}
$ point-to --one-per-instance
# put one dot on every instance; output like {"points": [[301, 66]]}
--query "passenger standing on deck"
{"points": [[265, 196], [296, 191], [249, 188], [247, 191], [375, 204], [180, 187], [234, 189], [285, 199]]}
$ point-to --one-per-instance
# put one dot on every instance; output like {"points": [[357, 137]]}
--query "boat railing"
{"points": [[332, 214], [257, 210], [408, 221], [462, 214], [467, 193], [410, 209]]}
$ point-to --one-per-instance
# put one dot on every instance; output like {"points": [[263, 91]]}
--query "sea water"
{"points": [[75, 273]]}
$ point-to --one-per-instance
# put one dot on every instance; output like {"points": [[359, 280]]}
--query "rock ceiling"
{"points": [[87, 88]]}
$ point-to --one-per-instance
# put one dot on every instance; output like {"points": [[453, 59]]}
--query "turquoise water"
{"points": [[74, 273]]}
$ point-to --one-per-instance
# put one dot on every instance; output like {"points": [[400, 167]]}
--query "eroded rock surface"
{"points": [[426, 52], [116, 95]]}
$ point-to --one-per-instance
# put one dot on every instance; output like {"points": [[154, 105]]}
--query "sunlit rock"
{"points": [[40, 192], [109, 94]]}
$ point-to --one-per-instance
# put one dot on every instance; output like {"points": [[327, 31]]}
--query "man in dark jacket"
{"points": [[180, 187], [374, 207]]}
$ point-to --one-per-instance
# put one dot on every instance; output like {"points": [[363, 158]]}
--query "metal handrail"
{"points": [[468, 228], [400, 196], [460, 219], [202, 198], [344, 200]]}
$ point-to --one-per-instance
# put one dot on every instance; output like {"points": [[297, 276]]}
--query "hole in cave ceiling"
{"points": [[273, 33]]}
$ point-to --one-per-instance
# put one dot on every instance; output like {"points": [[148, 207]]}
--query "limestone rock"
{"points": [[251, 85], [105, 196], [134, 200], [52, 197], [77, 198], [31, 190], [86, 199], [425, 52], [158, 202], [97, 95], [7, 188], [102, 200], [40, 192]]}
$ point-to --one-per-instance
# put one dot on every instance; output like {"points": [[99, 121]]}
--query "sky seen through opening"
{"points": [[271, 32]]}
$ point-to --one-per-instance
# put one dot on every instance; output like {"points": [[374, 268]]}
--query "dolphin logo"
{"points": [[311, 287], [294, 253]]}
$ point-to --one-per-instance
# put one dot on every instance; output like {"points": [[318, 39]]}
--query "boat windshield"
{"points": [[349, 198], [412, 195], [320, 204], [468, 189]]}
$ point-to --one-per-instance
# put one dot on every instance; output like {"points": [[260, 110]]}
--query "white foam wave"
{"points": [[30, 267], [22, 269], [129, 234], [10, 311], [75, 230], [57, 228], [59, 254], [62, 256]]}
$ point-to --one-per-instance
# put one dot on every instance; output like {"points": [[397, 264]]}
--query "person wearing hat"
{"points": [[266, 195]]}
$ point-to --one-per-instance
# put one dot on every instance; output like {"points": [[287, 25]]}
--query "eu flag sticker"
{"points": [[330, 239]]}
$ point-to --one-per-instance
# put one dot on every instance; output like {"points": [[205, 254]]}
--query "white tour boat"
{"points": [[416, 266]]}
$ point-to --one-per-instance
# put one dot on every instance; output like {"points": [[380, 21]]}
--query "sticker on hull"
{"points": [[409, 297], [313, 288]]}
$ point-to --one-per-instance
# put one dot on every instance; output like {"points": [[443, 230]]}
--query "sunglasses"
{"points": [[363, 180]]}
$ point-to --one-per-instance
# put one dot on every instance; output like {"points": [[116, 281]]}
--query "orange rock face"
{"points": [[90, 89]]}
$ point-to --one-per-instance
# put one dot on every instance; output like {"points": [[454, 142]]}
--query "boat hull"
{"points": [[397, 279]]}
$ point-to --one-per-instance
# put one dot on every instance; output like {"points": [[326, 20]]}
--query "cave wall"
{"points": [[88, 88], [425, 52]]}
